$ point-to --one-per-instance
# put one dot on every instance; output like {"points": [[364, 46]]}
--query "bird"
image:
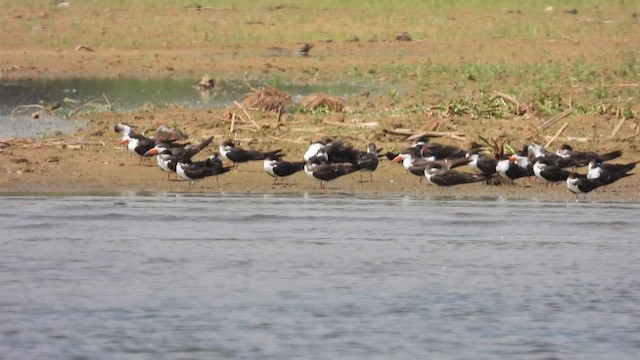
{"points": [[197, 171], [508, 169], [325, 172], [580, 184], [445, 178], [368, 161], [278, 168], [416, 164], [544, 169], [606, 171], [236, 155], [139, 145], [339, 151], [316, 146], [482, 164], [440, 152], [168, 155], [582, 158]]}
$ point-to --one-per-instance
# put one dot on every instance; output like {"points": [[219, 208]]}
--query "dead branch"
{"points": [[556, 135], [507, 98], [617, 128], [361, 124], [83, 47], [247, 113], [555, 119], [233, 122]]}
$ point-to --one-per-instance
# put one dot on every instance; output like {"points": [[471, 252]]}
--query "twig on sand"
{"points": [[507, 98], [556, 135], [355, 124], [555, 119], [411, 135], [247, 113], [233, 122], [617, 128]]}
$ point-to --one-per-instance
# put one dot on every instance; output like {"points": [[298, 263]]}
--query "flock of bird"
{"points": [[329, 159]]}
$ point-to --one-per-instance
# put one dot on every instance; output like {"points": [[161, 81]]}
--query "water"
{"points": [[303, 277], [125, 94]]}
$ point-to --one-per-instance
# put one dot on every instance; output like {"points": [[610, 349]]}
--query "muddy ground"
{"points": [[91, 161]]}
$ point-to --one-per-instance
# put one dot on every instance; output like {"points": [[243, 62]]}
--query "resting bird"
{"points": [[368, 161], [236, 155], [444, 178], [200, 170], [278, 168]]}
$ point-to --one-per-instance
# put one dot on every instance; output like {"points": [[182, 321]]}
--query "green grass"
{"points": [[337, 19]]}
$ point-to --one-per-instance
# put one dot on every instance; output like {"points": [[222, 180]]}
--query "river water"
{"points": [[172, 276], [127, 94]]}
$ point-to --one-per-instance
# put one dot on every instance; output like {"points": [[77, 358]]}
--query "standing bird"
{"points": [[368, 161], [606, 171], [546, 171], [482, 164], [579, 184], [325, 172], [236, 155], [278, 168], [508, 169], [168, 156], [200, 170], [416, 164]]}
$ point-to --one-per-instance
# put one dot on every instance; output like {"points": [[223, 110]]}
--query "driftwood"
{"points": [[247, 113], [580, 139], [411, 135], [507, 98], [556, 135], [555, 119], [617, 128], [347, 124], [83, 47]]}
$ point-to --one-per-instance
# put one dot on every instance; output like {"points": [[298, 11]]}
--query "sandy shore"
{"points": [[110, 170]]}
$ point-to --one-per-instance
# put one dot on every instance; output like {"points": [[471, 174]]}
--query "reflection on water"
{"points": [[132, 93], [125, 94], [317, 277]]}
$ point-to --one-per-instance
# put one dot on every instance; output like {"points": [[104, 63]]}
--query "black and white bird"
{"points": [[197, 171], [445, 178], [325, 172], [607, 172], [315, 147], [482, 164], [279, 169], [229, 151], [544, 169], [415, 164], [167, 156], [580, 184], [368, 161], [582, 158], [509, 170]]}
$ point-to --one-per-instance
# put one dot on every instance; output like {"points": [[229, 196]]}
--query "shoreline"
{"points": [[390, 181]]}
